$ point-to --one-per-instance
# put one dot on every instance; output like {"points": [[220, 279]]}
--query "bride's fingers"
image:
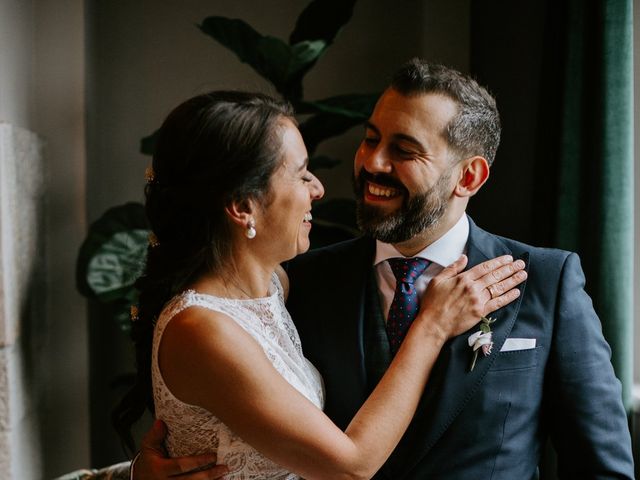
{"points": [[499, 288], [455, 268], [487, 268], [499, 302], [495, 282]]}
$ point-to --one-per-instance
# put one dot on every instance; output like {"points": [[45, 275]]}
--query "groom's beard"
{"points": [[414, 217]]}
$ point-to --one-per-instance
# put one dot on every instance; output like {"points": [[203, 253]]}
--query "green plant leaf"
{"points": [[334, 116], [322, 161], [270, 57], [325, 125], [116, 264], [353, 105], [303, 58], [303, 54], [322, 20], [110, 234], [235, 34]]}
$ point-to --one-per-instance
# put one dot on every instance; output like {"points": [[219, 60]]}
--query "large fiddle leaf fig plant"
{"points": [[113, 253], [112, 257]]}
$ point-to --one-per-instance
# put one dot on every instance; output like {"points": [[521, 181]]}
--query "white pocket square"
{"points": [[511, 344]]}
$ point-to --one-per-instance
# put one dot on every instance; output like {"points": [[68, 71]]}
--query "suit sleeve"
{"points": [[588, 422]]}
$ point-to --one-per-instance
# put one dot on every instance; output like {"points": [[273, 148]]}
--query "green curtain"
{"points": [[595, 190]]}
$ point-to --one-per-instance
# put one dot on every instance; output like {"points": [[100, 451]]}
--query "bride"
{"points": [[219, 359]]}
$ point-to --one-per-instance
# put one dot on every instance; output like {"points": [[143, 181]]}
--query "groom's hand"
{"points": [[152, 462]]}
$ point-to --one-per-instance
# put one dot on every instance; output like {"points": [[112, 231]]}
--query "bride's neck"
{"points": [[244, 276]]}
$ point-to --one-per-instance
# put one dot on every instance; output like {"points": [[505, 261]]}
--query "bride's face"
{"points": [[293, 189]]}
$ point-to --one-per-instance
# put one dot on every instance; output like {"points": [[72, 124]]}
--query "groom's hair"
{"points": [[475, 129]]}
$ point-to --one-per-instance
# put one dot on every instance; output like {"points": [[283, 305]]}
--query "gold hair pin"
{"points": [[153, 240], [149, 174], [133, 313]]}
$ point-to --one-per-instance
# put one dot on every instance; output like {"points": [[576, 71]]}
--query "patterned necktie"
{"points": [[405, 304]]}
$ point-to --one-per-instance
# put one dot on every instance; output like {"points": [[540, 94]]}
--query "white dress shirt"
{"points": [[441, 253]]}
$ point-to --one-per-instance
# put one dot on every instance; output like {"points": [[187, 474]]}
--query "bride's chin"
{"points": [[303, 247]]}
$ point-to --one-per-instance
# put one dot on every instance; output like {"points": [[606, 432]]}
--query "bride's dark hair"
{"points": [[212, 149]]}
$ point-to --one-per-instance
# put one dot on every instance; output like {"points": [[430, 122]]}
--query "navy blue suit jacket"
{"points": [[491, 422]]}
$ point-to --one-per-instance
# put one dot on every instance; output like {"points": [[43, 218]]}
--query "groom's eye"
{"points": [[403, 151]]}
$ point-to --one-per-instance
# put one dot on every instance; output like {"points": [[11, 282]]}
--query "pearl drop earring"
{"points": [[251, 229]]}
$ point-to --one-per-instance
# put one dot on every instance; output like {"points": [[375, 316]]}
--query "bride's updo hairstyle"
{"points": [[212, 149]]}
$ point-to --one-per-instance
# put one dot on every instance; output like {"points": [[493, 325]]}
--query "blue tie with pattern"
{"points": [[405, 304]]}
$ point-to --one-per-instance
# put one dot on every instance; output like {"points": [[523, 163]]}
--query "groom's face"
{"points": [[404, 170]]}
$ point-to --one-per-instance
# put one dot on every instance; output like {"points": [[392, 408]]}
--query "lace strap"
{"points": [[277, 284]]}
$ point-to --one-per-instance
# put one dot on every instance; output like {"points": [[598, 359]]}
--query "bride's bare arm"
{"points": [[206, 359]]}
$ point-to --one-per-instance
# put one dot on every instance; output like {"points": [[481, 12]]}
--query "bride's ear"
{"points": [[241, 212]]}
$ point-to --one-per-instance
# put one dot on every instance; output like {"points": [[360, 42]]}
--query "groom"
{"points": [[427, 150]]}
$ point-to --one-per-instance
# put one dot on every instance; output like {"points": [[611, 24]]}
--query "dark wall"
{"points": [[507, 56]]}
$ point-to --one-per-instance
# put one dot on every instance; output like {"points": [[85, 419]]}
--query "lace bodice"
{"points": [[194, 430]]}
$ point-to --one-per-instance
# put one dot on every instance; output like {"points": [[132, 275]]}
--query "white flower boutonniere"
{"points": [[481, 340]]}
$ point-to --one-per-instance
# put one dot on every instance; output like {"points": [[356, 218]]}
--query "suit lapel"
{"points": [[451, 384]]}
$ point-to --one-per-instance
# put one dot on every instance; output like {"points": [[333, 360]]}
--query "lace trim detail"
{"points": [[194, 430]]}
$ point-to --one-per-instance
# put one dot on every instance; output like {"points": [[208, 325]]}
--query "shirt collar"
{"points": [[444, 251]]}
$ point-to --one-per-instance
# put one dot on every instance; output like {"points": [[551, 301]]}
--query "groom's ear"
{"points": [[473, 173]]}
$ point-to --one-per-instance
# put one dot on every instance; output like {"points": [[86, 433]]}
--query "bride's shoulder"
{"points": [[194, 319], [202, 347], [201, 332]]}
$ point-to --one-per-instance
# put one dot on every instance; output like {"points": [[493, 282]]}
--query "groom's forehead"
{"points": [[412, 115]]}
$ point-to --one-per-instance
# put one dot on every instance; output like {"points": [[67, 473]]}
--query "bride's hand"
{"points": [[455, 300]]}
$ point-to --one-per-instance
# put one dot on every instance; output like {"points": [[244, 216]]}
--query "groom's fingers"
{"points": [[213, 474], [154, 438], [209, 471], [153, 463], [190, 467]]}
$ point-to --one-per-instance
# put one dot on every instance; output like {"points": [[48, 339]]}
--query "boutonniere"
{"points": [[481, 340]]}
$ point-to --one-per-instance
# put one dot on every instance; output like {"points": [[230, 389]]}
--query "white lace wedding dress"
{"points": [[192, 429]]}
